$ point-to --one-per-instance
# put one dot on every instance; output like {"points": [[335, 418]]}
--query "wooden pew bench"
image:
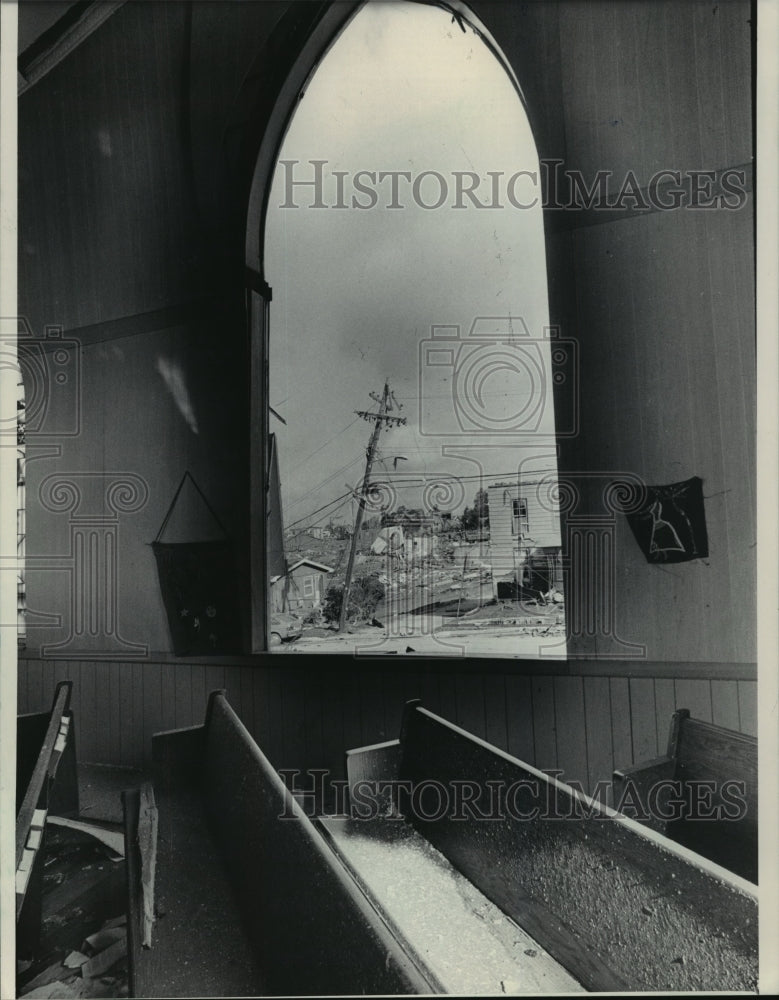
{"points": [[249, 898], [46, 782], [702, 793], [617, 905]]}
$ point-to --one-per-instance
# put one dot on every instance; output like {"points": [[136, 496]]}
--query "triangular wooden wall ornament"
{"points": [[199, 588]]}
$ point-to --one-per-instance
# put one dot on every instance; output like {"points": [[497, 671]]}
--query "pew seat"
{"points": [[619, 906], [471, 946]]}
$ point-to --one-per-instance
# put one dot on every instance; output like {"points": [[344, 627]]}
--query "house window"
{"points": [[519, 517], [309, 587]]}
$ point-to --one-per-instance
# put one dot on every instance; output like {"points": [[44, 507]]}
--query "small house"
{"points": [[304, 585]]}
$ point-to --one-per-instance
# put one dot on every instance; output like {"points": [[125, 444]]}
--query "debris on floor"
{"points": [[112, 839], [83, 946]]}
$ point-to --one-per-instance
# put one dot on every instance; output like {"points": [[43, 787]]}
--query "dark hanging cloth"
{"points": [[199, 591], [670, 525]]}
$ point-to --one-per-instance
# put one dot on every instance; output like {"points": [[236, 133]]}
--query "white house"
{"points": [[525, 533]]}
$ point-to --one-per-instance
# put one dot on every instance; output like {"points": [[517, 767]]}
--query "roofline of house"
{"points": [[310, 562]]}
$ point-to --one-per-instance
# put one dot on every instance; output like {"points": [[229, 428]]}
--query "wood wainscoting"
{"points": [[582, 717]]}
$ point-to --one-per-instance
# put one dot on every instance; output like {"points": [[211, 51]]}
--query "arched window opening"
{"points": [[412, 477]]}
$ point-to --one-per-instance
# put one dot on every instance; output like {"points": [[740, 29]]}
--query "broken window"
{"points": [[519, 525], [410, 349]]}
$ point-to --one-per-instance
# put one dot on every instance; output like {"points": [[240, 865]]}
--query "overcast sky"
{"points": [[356, 292]]}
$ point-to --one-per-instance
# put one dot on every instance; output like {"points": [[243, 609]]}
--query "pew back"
{"points": [[46, 781], [312, 928], [712, 772], [726, 761]]}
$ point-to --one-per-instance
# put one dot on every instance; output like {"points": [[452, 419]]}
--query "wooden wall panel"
{"points": [[168, 698], [92, 736], [695, 695], [153, 686], [643, 717], [597, 724], [747, 707], [470, 703], [36, 697], [372, 710], [519, 718], [333, 707], [199, 693], [665, 704], [544, 725], [102, 688], [585, 723], [447, 698], [313, 745], [496, 723], [571, 729], [182, 700], [621, 729], [394, 687], [724, 704], [113, 678], [292, 742], [350, 713], [232, 683], [140, 722]]}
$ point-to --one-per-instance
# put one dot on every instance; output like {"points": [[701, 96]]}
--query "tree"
{"points": [[364, 595], [403, 516], [477, 518]]}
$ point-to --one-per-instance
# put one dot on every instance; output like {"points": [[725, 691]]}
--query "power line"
{"points": [[323, 507], [421, 480], [323, 446], [324, 482], [318, 520], [425, 479]]}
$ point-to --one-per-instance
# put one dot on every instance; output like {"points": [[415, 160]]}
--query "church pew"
{"points": [[249, 899], [620, 906], [46, 782], [702, 793]]}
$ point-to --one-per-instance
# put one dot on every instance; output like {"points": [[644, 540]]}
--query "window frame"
{"points": [[314, 46], [519, 520]]}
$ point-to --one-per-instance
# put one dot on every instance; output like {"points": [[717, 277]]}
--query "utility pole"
{"points": [[381, 419]]}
